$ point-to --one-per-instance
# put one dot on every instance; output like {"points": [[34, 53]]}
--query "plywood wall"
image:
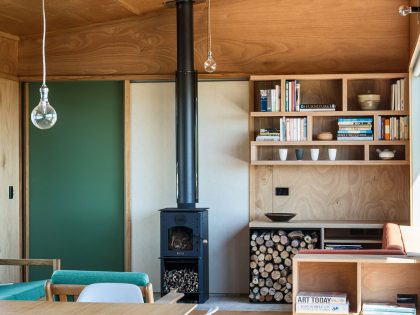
{"points": [[8, 55], [223, 176], [360, 192], [269, 36], [414, 27], [10, 209]]}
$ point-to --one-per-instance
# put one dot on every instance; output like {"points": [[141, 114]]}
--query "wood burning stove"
{"points": [[184, 230], [184, 250]]}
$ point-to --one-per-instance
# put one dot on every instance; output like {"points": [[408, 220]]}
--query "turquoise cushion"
{"points": [[89, 277], [29, 291]]}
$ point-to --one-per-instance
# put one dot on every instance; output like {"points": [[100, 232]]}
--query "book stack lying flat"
{"points": [[322, 302], [269, 134], [317, 107], [343, 246], [359, 128], [388, 309]]}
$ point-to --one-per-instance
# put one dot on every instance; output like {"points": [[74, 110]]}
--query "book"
{"points": [[328, 308], [321, 297], [388, 308], [354, 138], [277, 88], [317, 107], [343, 246], [268, 138], [263, 100]]}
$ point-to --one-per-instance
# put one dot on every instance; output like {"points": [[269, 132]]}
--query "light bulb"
{"points": [[404, 10], [210, 63], [44, 115]]}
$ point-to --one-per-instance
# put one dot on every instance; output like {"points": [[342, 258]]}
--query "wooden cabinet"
{"points": [[357, 185], [363, 278], [10, 205]]}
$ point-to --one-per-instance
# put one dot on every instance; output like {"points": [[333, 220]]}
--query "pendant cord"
{"points": [[208, 27], [43, 44]]}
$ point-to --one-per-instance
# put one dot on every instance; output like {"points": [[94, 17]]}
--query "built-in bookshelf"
{"points": [[338, 94], [348, 180]]}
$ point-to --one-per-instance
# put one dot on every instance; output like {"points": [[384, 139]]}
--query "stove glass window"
{"points": [[180, 238]]}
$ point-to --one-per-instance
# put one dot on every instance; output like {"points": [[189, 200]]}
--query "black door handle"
{"points": [[11, 192]]}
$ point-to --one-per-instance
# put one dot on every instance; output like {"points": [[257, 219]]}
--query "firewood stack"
{"points": [[271, 263], [185, 280]]}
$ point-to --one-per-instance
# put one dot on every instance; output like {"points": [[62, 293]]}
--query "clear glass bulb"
{"points": [[44, 115], [210, 63], [404, 10]]}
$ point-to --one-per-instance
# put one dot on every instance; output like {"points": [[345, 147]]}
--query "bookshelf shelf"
{"points": [[336, 162], [330, 114], [328, 143]]}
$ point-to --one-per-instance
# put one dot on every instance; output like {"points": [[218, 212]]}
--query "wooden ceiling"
{"points": [[24, 17]]}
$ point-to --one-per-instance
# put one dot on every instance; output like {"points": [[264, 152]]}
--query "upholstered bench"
{"points": [[33, 290], [30, 291]]}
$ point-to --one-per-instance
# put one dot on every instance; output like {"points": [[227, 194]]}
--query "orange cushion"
{"points": [[391, 238]]}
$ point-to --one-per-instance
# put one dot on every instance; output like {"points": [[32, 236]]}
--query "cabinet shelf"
{"points": [[330, 114], [327, 162], [328, 143]]}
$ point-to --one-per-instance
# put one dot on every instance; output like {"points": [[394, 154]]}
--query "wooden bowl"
{"points": [[280, 217], [325, 136]]}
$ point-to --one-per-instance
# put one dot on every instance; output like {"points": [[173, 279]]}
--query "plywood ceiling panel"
{"points": [[256, 37], [23, 17]]}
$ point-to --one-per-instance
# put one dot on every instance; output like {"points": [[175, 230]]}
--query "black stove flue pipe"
{"points": [[186, 108]]}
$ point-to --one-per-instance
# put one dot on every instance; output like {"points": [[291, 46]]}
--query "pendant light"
{"points": [[210, 63], [43, 115]]}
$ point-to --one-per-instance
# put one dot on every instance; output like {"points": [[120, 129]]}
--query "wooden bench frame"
{"points": [[63, 291], [54, 263]]}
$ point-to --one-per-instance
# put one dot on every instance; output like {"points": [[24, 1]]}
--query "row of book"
{"points": [[292, 98], [398, 95], [322, 302], [270, 100], [393, 128], [359, 128], [291, 129]]}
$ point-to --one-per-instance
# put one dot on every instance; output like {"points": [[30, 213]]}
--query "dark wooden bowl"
{"points": [[280, 217]]}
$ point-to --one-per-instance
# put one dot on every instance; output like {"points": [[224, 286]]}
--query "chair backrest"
{"points": [[111, 293], [66, 285]]}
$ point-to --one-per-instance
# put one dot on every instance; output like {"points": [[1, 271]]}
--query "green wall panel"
{"points": [[76, 178]]}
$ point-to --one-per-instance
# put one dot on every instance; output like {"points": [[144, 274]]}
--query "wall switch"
{"points": [[282, 191]]}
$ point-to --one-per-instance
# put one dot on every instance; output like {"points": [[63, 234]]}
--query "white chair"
{"points": [[111, 293], [212, 310]]}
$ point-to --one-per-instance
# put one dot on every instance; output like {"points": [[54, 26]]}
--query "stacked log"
{"points": [[272, 252], [185, 280]]}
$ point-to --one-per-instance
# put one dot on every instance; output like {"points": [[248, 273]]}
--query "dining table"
{"points": [[66, 308]]}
